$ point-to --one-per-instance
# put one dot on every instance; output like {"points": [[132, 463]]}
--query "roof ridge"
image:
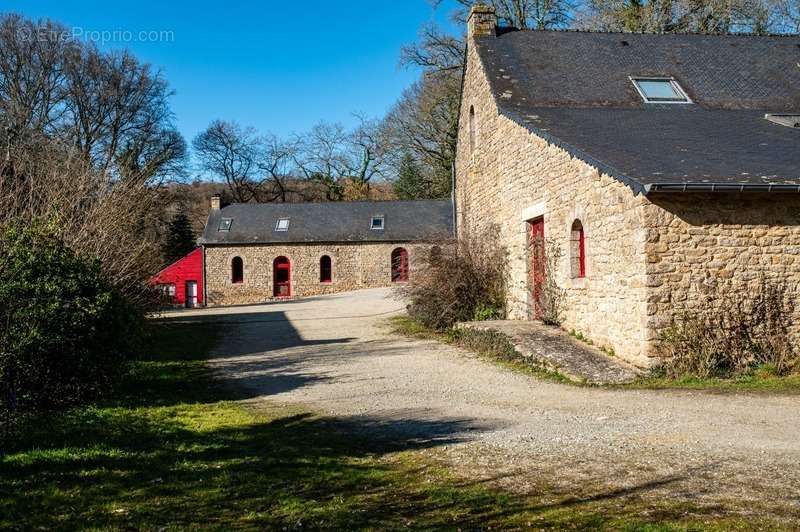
{"points": [[420, 200], [509, 29]]}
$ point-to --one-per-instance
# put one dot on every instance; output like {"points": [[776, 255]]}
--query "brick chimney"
{"points": [[482, 21], [216, 202]]}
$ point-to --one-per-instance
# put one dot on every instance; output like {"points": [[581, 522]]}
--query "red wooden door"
{"points": [[282, 277], [537, 251], [399, 265]]}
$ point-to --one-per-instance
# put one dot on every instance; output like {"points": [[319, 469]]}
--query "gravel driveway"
{"points": [[335, 354]]}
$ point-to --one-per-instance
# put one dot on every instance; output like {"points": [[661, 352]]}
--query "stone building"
{"points": [[654, 162], [257, 252]]}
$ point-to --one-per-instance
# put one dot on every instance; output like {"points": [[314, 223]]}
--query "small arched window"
{"points": [[436, 255], [325, 269], [399, 265], [577, 250], [237, 270], [472, 135]]}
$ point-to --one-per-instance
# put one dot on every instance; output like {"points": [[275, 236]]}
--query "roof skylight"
{"points": [[788, 120], [377, 223], [225, 224], [660, 90], [282, 225]]}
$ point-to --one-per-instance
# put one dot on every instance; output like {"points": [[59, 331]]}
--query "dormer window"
{"points": [[225, 225], [377, 223], [282, 224], [660, 90]]}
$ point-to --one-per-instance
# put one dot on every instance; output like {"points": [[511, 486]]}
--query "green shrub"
{"points": [[65, 333], [728, 333], [463, 282]]}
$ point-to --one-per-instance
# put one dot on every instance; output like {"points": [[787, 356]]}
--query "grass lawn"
{"points": [[176, 451]]}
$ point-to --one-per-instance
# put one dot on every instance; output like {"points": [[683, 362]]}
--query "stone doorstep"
{"points": [[554, 349]]}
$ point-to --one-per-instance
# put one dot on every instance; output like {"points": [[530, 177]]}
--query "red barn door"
{"points": [[537, 250], [282, 277]]}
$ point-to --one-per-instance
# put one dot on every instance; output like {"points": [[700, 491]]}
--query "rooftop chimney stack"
{"points": [[216, 202], [482, 21]]}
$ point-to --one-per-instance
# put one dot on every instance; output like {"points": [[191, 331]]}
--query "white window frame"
{"points": [[280, 226], [372, 223], [675, 86]]}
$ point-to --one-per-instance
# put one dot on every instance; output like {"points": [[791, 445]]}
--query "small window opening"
{"points": [[168, 291], [660, 90], [435, 256], [282, 224], [377, 223], [325, 269], [225, 224], [577, 250], [472, 138], [399, 265], [237, 270]]}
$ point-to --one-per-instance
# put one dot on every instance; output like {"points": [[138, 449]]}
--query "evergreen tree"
{"points": [[410, 183], [180, 240]]}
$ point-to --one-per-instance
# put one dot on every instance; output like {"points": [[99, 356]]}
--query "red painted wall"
{"points": [[189, 268]]}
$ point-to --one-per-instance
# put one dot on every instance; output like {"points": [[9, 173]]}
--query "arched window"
{"points": [[472, 138], [436, 255], [399, 265], [577, 250], [325, 269], [237, 270]]}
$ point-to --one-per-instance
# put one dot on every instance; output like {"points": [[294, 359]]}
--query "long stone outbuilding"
{"points": [[257, 252], [656, 163]]}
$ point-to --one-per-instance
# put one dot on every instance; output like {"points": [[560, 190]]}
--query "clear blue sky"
{"points": [[280, 69]]}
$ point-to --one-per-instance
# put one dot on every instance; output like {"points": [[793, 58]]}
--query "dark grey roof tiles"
{"points": [[574, 89], [404, 221]]}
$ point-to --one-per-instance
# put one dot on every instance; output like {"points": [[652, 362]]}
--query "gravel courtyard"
{"points": [[336, 355]]}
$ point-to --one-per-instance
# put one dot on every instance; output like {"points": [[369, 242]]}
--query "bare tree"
{"points": [[277, 164], [680, 16], [343, 162], [525, 14], [228, 151], [109, 106], [424, 123]]}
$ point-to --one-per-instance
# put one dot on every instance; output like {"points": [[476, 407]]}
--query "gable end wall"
{"points": [[514, 176]]}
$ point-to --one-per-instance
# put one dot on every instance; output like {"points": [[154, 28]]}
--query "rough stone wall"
{"points": [[737, 238], [513, 176], [355, 266]]}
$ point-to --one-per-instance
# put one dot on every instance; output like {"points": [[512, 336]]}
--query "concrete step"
{"points": [[554, 349]]}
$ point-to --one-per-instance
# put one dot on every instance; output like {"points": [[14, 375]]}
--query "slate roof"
{"points": [[573, 88], [404, 221]]}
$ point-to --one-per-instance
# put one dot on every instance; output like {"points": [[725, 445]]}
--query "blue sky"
{"points": [[280, 69]]}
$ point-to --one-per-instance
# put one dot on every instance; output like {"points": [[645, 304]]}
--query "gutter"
{"points": [[718, 187]]}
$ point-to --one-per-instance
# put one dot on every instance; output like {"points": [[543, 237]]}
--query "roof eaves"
{"points": [[720, 187]]}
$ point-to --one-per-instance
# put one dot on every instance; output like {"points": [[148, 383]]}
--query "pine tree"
{"points": [[410, 183], [180, 239]]}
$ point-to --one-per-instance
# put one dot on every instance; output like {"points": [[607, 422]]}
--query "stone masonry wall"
{"points": [[513, 176], [645, 256], [355, 266], [737, 238]]}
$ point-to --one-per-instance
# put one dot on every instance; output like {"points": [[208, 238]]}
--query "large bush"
{"points": [[65, 333], [460, 282], [728, 333]]}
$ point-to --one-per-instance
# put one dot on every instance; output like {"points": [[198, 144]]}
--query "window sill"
{"points": [[579, 282], [326, 282]]}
